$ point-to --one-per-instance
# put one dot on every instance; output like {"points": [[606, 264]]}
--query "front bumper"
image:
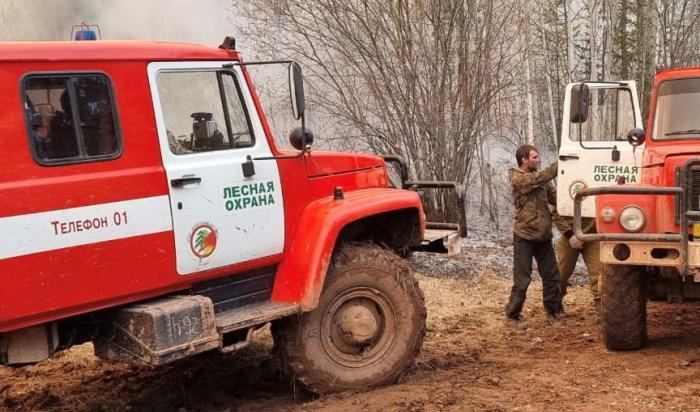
{"points": [[666, 254]]}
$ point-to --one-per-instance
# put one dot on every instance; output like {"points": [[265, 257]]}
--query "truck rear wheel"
{"points": [[624, 307], [367, 329]]}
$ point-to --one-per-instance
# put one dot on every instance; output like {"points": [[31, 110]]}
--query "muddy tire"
{"points": [[367, 329], [624, 307]]}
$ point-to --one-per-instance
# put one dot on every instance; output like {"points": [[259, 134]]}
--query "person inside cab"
{"points": [[39, 130]]}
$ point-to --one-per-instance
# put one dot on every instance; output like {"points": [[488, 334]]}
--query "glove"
{"points": [[575, 243]]}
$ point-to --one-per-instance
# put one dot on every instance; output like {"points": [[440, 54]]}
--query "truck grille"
{"points": [[693, 192]]}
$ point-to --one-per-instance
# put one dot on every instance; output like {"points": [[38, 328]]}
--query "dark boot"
{"points": [[516, 323]]}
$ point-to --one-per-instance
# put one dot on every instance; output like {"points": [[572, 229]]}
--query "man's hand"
{"points": [[575, 243]]}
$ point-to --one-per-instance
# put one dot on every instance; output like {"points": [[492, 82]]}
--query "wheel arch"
{"points": [[390, 217], [395, 229]]}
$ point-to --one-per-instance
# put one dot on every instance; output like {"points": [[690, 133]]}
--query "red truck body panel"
{"points": [[300, 277], [660, 160], [54, 284]]}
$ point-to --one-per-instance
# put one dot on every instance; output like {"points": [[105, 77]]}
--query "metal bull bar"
{"points": [[685, 212], [461, 225]]}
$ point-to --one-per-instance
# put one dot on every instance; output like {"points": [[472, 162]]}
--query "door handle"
{"points": [[183, 181], [568, 157]]}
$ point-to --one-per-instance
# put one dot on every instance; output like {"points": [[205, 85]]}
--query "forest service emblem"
{"points": [[203, 240], [576, 187]]}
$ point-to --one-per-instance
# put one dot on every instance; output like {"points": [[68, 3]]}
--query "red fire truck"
{"points": [[644, 194], [146, 208]]}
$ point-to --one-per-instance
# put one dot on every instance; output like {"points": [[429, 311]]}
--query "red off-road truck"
{"points": [[649, 223], [145, 207]]}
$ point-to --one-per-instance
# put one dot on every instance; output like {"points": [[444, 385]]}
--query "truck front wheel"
{"points": [[367, 329], [624, 307]]}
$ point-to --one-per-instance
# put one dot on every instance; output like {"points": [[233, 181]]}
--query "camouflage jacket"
{"points": [[532, 194], [565, 224]]}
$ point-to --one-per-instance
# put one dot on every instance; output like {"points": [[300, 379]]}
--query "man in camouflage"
{"points": [[569, 247], [532, 235]]}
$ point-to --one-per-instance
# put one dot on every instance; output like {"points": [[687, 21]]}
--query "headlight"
{"points": [[607, 214], [632, 219]]}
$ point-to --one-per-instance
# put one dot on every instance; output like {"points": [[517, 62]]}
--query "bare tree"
{"points": [[413, 77], [455, 85], [678, 25]]}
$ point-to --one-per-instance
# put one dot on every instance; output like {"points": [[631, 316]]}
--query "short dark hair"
{"points": [[523, 152]]}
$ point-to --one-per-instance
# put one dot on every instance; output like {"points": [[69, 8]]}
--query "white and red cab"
{"points": [[643, 190], [145, 207], [593, 149]]}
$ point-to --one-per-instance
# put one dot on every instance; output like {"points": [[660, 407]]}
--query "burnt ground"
{"points": [[470, 361]]}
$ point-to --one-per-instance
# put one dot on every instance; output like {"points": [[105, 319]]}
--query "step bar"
{"points": [[167, 329]]}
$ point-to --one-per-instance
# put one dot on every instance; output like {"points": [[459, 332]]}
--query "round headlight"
{"points": [[632, 219], [607, 214]]}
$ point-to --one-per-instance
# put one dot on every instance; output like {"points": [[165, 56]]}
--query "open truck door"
{"points": [[601, 141]]}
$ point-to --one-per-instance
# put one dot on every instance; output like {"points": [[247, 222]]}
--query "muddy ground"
{"points": [[470, 361]]}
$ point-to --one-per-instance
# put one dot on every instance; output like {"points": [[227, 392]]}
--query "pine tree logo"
{"points": [[576, 187], [203, 240]]}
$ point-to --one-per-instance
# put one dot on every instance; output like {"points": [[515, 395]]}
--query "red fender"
{"points": [[300, 275]]}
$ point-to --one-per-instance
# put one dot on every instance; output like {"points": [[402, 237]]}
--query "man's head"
{"points": [[528, 158]]}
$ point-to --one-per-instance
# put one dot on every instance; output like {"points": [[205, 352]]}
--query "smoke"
{"points": [[204, 21]]}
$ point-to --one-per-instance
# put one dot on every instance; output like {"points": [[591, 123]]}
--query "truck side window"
{"points": [[240, 129], [71, 117], [610, 117], [203, 111]]}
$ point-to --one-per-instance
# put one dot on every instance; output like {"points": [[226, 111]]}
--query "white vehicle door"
{"points": [[226, 207], [594, 150]]}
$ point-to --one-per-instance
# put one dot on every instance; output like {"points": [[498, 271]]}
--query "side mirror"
{"points": [[580, 98], [636, 137], [296, 138], [296, 90]]}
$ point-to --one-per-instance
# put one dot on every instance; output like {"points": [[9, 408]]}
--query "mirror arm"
{"points": [[256, 63], [293, 156], [302, 152], [304, 148]]}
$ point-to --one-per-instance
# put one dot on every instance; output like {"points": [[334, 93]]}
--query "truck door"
{"points": [[226, 207], [594, 150]]}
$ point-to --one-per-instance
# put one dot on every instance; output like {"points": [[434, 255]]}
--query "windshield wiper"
{"points": [[679, 132]]}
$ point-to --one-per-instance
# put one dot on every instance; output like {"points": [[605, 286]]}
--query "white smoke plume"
{"points": [[204, 21]]}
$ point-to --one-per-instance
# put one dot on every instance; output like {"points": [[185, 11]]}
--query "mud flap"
{"points": [[160, 331]]}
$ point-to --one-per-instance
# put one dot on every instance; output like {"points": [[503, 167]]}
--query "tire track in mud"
{"points": [[470, 361]]}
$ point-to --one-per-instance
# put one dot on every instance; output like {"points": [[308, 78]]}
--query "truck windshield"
{"points": [[676, 114]]}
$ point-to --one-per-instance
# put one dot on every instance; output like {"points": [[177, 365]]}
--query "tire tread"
{"points": [[286, 332], [624, 312]]}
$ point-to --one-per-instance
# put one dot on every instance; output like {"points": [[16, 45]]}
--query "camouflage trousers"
{"points": [[567, 257]]}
